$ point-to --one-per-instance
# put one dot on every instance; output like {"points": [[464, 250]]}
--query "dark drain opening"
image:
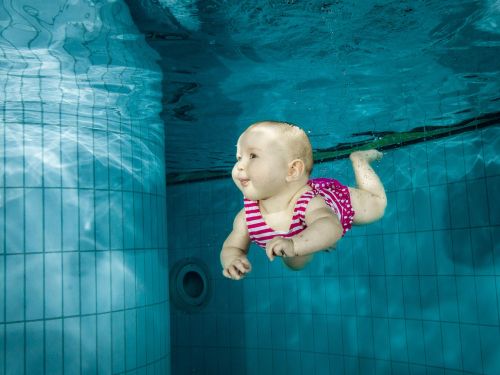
{"points": [[193, 284], [190, 287]]}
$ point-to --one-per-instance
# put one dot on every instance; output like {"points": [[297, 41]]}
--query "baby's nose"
{"points": [[239, 165]]}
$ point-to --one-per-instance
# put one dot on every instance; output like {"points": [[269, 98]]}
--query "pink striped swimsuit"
{"points": [[335, 194]]}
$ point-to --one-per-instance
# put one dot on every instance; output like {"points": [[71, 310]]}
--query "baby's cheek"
{"points": [[236, 182], [233, 173], [274, 179]]}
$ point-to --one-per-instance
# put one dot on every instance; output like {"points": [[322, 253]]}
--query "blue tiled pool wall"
{"points": [[415, 293], [83, 261]]}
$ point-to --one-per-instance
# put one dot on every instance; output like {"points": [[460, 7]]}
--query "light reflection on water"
{"points": [[94, 113], [82, 171]]}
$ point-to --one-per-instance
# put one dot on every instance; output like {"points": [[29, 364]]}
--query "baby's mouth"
{"points": [[244, 182]]}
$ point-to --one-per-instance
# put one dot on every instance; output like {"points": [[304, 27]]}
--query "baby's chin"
{"points": [[248, 194], [253, 196]]}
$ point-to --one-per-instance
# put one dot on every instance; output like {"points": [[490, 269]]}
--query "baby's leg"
{"points": [[368, 199]]}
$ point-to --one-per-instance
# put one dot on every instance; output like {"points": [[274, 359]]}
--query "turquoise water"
{"points": [[82, 200], [338, 69], [103, 103], [417, 292]]}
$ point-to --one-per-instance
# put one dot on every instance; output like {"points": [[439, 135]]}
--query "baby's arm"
{"points": [[323, 228], [323, 231], [233, 256]]}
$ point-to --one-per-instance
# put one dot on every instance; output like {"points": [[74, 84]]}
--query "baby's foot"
{"points": [[367, 155]]}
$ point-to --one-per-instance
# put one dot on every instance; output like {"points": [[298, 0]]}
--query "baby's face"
{"points": [[262, 166]]}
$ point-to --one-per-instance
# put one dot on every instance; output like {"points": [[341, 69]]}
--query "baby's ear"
{"points": [[296, 169]]}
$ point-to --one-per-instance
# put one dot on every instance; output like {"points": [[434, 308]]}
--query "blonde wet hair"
{"points": [[296, 140]]}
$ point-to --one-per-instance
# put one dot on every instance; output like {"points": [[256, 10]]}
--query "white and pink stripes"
{"points": [[335, 195], [261, 233]]}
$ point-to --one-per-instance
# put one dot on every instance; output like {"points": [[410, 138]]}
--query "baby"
{"points": [[285, 212]]}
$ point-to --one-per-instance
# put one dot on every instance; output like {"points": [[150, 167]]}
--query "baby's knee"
{"points": [[379, 206], [370, 210]]}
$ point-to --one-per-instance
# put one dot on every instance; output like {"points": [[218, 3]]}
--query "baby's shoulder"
{"points": [[240, 223]]}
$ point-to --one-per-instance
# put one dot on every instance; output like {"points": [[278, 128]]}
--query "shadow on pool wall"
{"points": [[414, 292], [191, 61], [207, 334]]}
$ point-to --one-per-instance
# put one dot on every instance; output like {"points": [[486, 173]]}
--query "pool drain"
{"points": [[189, 284]]}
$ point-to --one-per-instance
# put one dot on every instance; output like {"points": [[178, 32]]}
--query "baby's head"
{"points": [[292, 139], [271, 157]]}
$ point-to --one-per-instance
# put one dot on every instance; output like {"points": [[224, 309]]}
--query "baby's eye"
{"points": [[253, 156], [238, 158]]}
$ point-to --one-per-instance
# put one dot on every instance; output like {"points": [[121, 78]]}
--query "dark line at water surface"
{"points": [[380, 140]]}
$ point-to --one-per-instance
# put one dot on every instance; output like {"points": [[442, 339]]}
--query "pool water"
{"points": [[83, 259], [119, 121], [415, 293]]}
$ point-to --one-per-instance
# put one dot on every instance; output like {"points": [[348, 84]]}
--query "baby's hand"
{"points": [[237, 269], [281, 247]]}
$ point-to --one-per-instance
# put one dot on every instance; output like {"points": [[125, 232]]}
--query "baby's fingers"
{"points": [[243, 266], [232, 273], [269, 253], [237, 270], [276, 248], [270, 249]]}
